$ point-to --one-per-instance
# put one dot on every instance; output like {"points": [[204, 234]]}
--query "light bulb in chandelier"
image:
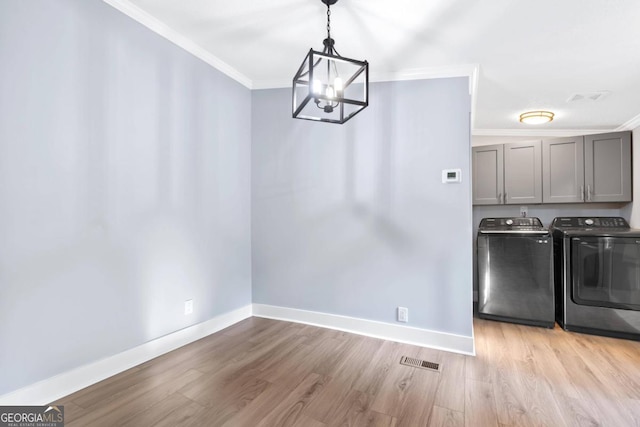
{"points": [[330, 92], [337, 84], [317, 86]]}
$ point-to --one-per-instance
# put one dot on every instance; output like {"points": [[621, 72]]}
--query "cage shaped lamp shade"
{"points": [[330, 88]]}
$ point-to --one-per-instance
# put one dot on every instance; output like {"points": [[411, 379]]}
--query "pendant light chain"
{"points": [[330, 44], [329, 23]]}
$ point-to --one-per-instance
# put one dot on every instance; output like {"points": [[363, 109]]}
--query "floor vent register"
{"points": [[419, 363]]}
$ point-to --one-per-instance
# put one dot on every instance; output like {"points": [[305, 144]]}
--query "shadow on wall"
{"points": [[371, 200], [352, 219]]}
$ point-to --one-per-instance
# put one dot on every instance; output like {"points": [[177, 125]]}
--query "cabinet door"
{"points": [[488, 175], [523, 173], [563, 170], [607, 167]]}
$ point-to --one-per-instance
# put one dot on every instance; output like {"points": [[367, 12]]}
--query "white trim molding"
{"points": [[159, 27], [538, 132], [473, 92], [371, 328], [631, 124], [472, 71], [137, 14], [66, 383], [465, 70], [51, 389]]}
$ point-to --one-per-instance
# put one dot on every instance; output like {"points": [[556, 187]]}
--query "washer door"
{"points": [[606, 272]]}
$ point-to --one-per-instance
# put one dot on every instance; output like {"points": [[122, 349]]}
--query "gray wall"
{"points": [[124, 187], [354, 220]]}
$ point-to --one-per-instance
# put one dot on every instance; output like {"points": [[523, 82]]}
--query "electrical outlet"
{"points": [[524, 211], [403, 314], [188, 307]]}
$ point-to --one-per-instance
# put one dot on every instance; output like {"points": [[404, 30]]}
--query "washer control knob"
{"points": [[509, 222], [588, 222]]}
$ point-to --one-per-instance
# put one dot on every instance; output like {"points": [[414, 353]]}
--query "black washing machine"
{"points": [[515, 278], [597, 276]]}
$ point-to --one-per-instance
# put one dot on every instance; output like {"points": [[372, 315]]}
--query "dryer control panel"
{"points": [[590, 222]]}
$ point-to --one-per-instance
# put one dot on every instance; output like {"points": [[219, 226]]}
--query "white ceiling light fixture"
{"points": [[329, 87], [536, 117]]}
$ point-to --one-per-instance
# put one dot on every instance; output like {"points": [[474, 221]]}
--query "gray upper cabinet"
{"points": [[523, 173], [592, 168], [563, 170], [488, 174], [607, 172], [579, 169], [507, 174]]}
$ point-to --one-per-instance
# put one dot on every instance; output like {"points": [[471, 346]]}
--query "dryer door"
{"points": [[606, 272]]}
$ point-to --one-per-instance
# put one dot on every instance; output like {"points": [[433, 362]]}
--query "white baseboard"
{"points": [[404, 334], [54, 388], [51, 389]]}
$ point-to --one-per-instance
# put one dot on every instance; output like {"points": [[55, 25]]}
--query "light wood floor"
{"points": [[268, 373]]}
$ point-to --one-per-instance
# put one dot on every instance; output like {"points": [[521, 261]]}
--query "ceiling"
{"points": [[527, 54]]}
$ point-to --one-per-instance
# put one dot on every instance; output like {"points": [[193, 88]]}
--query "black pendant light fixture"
{"points": [[329, 87]]}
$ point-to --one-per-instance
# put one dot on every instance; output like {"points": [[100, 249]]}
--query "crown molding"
{"points": [[471, 71], [464, 70], [538, 132], [630, 124], [158, 27], [162, 29]]}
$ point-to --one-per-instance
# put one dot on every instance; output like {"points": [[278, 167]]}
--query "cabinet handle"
{"points": [[589, 193], [582, 193], [499, 198], [505, 197]]}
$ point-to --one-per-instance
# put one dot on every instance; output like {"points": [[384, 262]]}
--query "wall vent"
{"points": [[588, 96]]}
